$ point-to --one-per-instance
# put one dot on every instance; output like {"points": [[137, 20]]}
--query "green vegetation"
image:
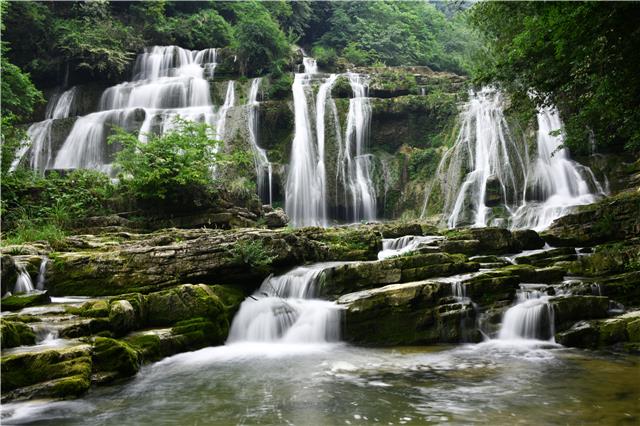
{"points": [[253, 254], [581, 57]]}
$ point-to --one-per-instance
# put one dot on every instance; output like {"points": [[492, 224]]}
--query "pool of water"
{"points": [[334, 384]]}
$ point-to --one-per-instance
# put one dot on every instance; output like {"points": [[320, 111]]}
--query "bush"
{"points": [[253, 254]]}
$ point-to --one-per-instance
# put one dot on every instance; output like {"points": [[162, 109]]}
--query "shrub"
{"points": [[253, 254]]}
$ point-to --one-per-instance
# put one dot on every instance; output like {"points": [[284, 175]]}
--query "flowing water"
{"points": [[307, 198], [331, 384], [264, 172], [398, 246], [489, 178]]}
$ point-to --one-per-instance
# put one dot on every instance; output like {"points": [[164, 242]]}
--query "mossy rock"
{"points": [[21, 301], [570, 309], [231, 297], [122, 317], [28, 369], [115, 356], [92, 309], [197, 333], [16, 334], [182, 303]]}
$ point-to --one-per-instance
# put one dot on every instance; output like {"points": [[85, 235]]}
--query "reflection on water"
{"points": [[326, 384]]}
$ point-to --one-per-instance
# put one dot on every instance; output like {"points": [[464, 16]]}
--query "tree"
{"points": [[582, 57]]}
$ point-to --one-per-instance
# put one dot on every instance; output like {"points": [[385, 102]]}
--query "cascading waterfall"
{"points": [[306, 188], [262, 164], [531, 318], [286, 309], [38, 144], [168, 82], [42, 273], [305, 199], [356, 164], [487, 168], [23, 282], [398, 246], [556, 183]]}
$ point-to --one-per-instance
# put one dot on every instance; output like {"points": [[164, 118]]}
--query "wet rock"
{"points": [[624, 288], [528, 239], [467, 247], [114, 359], [122, 317], [351, 277], [548, 257], [16, 333], [276, 218], [621, 330], [21, 301], [59, 373], [611, 219], [570, 309]]}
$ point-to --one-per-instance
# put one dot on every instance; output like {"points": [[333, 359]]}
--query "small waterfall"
{"points": [[38, 145], [42, 273], [355, 171], [306, 188], [397, 246], [168, 82], [262, 164], [23, 282], [285, 309], [531, 318], [557, 184], [487, 168]]}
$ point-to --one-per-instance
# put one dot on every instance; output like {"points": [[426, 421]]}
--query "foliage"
{"points": [[174, 168], [95, 41], [198, 31], [36, 207], [397, 33], [258, 40], [582, 57], [253, 254]]}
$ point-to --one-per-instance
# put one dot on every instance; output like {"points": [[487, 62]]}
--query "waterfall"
{"points": [[487, 177], [398, 246], [531, 318], [556, 183], [168, 82], [285, 309], [38, 144], [356, 164], [306, 200], [262, 164], [23, 283], [42, 273]]}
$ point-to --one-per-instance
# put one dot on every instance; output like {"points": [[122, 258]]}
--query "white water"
{"points": [[285, 309], [168, 82], [38, 145], [556, 183], [487, 161], [42, 273], [306, 200], [355, 170], [264, 178], [23, 282], [398, 246], [531, 318]]}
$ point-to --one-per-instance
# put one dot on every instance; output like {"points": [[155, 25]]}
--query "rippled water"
{"points": [[329, 384]]}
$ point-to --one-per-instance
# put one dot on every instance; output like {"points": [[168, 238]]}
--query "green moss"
{"points": [[147, 345], [73, 386], [200, 332], [94, 309], [110, 355], [16, 334], [21, 301], [231, 298]]}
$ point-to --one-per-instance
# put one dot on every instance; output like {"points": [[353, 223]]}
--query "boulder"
{"points": [[528, 239], [21, 301], [58, 373], [122, 317], [356, 276], [623, 329], [570, 309], [15, 333], [276, 218], [548, 257], [113, 359]]}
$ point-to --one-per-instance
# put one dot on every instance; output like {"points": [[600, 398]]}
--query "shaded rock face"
{"points": [[614, 218], [622, 330], [120, 263]]}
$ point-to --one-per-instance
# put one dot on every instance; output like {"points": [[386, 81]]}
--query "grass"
{"points": [[27, 232]]}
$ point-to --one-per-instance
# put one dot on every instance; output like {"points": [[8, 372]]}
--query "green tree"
{"points": [[171, 167], [582, 57]]}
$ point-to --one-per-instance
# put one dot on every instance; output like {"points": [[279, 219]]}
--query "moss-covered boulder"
{"points": [[113, 359], [570, 309], [60, 373], [614, 218], [622, 331], [122, 317], [489, 240], [403, 314], [15, 333], [528, 239], [356, 276], [548, 257], [21, 301]]}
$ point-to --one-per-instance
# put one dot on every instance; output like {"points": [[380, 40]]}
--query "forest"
{"points": [[320, 212]]}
